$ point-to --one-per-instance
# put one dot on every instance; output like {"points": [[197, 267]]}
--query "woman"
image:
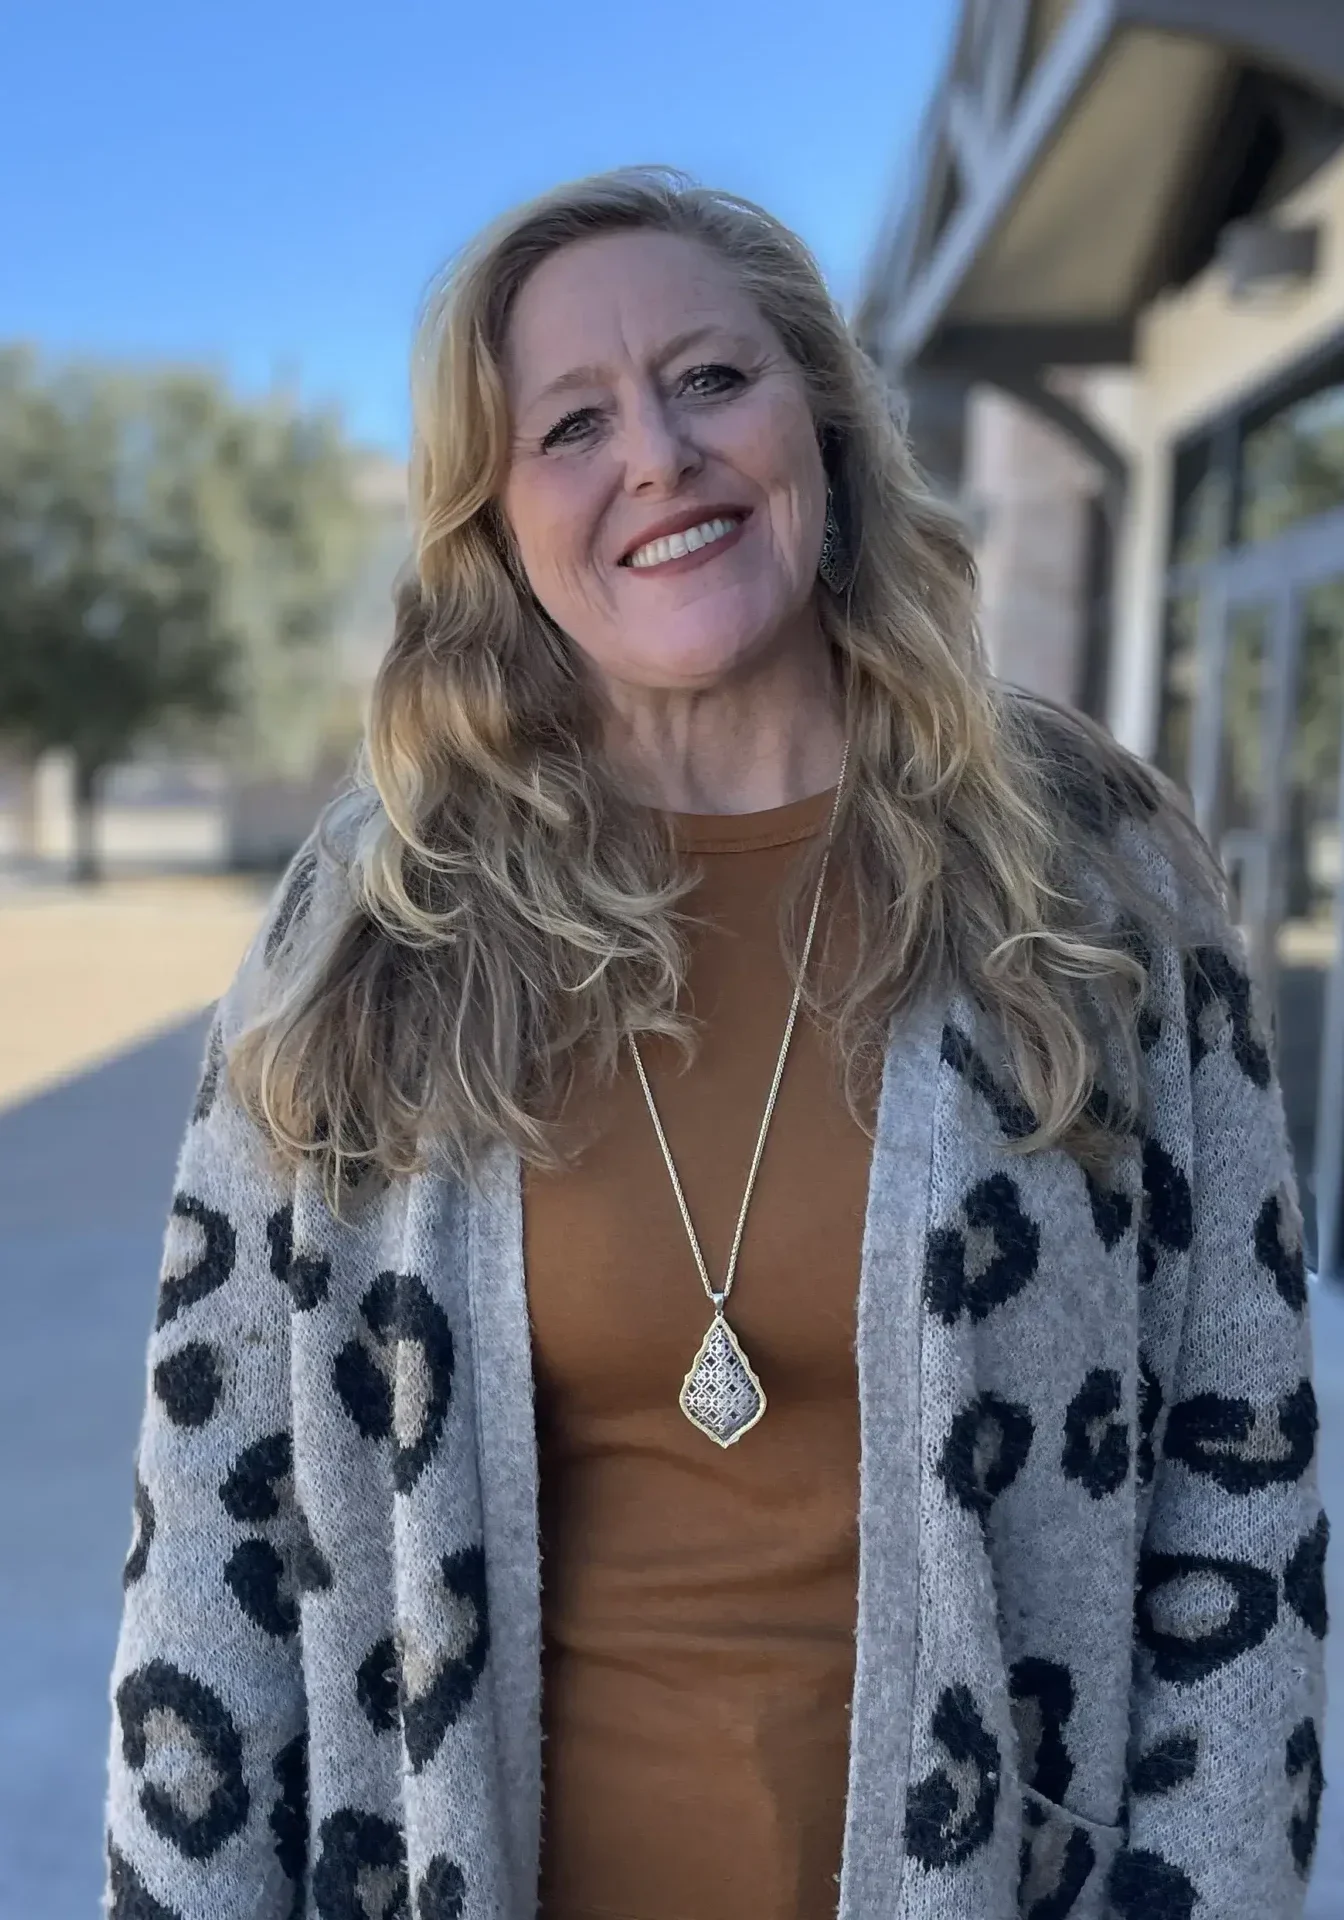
{"points": [[956, 1551]]}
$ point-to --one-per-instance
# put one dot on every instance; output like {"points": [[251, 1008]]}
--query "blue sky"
{"points": [[267, 185]]}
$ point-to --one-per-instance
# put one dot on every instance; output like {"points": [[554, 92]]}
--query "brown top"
{"points": [[699, 1603]]}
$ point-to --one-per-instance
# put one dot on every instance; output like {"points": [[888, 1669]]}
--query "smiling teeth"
{"points": [[673, 545]]}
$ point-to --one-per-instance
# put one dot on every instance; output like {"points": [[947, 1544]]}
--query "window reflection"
{"points": [[1239, 802], [1307, 943], [1241, 775], [1201, 508], [1179, 687], [1292, 466]]}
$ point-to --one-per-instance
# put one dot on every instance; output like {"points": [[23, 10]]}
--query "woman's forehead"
{"points": [[600, 302]]}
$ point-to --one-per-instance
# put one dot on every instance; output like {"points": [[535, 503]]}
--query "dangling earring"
{"points": [[831, 565]]}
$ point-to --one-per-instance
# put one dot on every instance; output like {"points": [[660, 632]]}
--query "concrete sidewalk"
{"points": [[85, 1180]]}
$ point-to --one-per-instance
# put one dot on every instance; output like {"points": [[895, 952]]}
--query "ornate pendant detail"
{"points": [[721, 1395]]}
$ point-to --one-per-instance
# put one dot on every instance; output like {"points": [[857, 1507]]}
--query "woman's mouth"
{"points": [[679, 546]]}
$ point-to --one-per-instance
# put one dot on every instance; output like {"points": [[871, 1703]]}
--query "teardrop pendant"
{"points": [[721, 1394]]}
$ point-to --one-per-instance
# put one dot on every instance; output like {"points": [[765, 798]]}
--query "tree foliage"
{"points": [[170, 565]]}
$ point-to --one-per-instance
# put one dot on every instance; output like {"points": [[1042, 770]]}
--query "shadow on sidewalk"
{"points": [[86, 1173]]}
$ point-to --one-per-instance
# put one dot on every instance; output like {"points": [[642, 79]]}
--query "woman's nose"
{"points": [[658, 453]]}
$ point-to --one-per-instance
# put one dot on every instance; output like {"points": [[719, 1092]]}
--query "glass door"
{"points": [[1307, 906], [1267, 774], [1237, 734]]}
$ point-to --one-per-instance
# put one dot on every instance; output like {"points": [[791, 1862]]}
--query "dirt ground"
{"points": [[86, 972]]}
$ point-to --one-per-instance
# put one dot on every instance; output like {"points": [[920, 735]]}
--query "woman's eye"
{"points": [[711, 379], [569, 430]]}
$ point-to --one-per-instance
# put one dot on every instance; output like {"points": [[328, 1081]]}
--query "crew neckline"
{"points": [[749, 832]]}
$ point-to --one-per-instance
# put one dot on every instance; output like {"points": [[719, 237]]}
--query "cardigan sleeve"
{"points": [[1224, 1775], [206, 1804]]}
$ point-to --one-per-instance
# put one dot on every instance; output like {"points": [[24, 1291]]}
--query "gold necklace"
{"points": [[721, 1394]]}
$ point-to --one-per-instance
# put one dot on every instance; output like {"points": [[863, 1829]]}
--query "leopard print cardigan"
{"points": [[1091, 1599]]}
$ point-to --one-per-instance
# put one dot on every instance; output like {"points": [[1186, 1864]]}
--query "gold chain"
{"points": [[718, 1300]]}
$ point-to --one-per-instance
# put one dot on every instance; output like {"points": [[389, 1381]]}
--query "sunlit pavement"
{"points": [[87, 971], [85, 1172]]}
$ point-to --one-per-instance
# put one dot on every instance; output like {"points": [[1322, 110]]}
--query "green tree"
{"points": [[169, 564]]}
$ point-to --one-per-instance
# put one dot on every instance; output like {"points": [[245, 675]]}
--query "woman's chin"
{"points": [[689, 661]]}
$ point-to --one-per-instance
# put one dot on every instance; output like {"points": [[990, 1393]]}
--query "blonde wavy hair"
{"points": [[505, 910]]}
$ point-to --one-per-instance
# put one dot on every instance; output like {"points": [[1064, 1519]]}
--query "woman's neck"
{"points": [[731, 748]]}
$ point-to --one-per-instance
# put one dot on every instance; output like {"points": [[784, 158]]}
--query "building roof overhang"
{"points": [[1062, 163]]}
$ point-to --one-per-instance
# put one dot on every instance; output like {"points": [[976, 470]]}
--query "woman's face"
{"points": [[665, 487]]}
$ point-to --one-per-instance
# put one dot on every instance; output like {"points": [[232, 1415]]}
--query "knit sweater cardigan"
{"points": [[1091, 1601]]}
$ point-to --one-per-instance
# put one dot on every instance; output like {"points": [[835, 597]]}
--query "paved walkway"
{"points": [[100, 1043], [85, 1177]]}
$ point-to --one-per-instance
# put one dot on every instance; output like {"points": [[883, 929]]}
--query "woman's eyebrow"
{"points": [[594, 376]]}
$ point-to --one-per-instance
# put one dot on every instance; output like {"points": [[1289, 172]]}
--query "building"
{"points": [[1113, 292]]}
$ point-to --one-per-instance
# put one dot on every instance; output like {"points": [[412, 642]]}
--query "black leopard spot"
{"points": [[364, 1389], [130, 1897], [1303, 1757], [1278, 1248], [949, 1816], [205, 1800], [1144, 1886], [1183, 1657], [311, 1568], [209, 1272], [267, 1584], [1055, 1866], [1041, 1692], [1167, 1764], [256, 1576], [442, 1894], [1167, 1217], [188, 1384], [1015, 1118], [1222, 1439], [208, 1089], [398, 1311], [985, 1450], [376, 1686], [974, 1269], [1112, 1212], [294, 904], [1218, 1006], [266, 1576], [251, 1490], [306, 1275], [138, 1557], [361, 1868], [437, 1679], [1304, 1579], [1096, 1443], [1150, 1412], [422, 1327], [289, 1815]]}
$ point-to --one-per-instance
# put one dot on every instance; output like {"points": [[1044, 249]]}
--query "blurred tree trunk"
{"points": [[87, 866], [25, 808]]}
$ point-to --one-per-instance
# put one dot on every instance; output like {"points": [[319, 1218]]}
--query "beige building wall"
{"points": [[1198, 352], [1026, 492]]}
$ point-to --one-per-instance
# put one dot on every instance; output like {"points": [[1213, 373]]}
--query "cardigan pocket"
{"points": [[1065, 1861]]}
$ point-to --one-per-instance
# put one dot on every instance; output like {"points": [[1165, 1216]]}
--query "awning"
{"points": [[1067, 161]]}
